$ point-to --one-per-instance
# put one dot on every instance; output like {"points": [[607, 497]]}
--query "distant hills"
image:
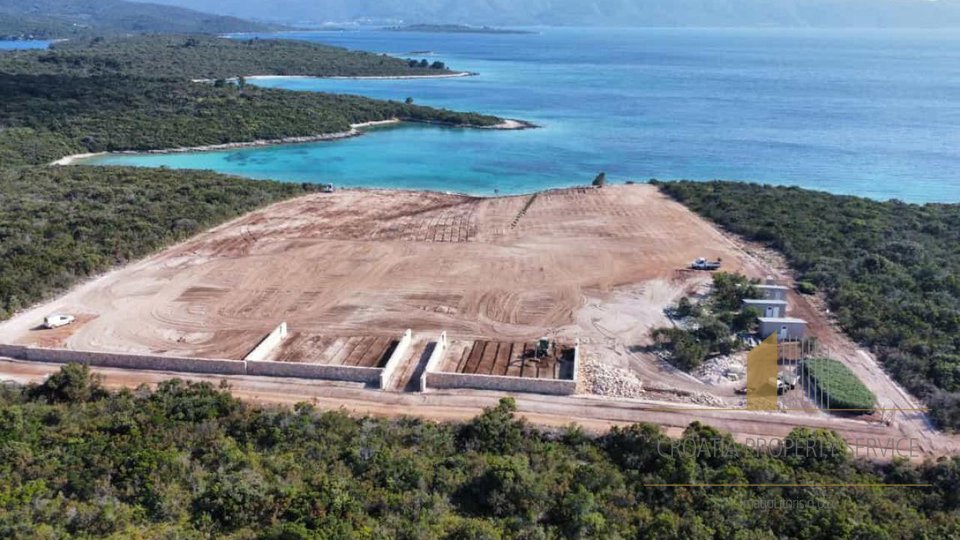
{"points": [[47, 19], [674, 13]]}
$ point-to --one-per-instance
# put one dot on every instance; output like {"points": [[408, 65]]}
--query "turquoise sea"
{"points": [[871, 113], [23, 44]]}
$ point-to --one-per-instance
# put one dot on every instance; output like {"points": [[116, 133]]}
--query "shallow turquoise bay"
{"points": [[871, 113]]}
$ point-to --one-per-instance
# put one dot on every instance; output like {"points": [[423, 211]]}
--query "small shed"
{"points": [[774, 292], [785, 327], [767, 308]]}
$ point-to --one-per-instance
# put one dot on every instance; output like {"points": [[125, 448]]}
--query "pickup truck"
{"points": [[703, 264]]}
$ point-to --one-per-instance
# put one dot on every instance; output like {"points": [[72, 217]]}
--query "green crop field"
{"points": [[842, 390]]}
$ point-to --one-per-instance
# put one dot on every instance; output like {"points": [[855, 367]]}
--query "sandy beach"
{"points": [[354, 131]]}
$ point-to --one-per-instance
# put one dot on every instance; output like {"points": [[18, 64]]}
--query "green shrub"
{"points": [[805, 287], [841, 389]]}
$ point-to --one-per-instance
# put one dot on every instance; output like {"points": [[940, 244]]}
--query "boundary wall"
{"points": [[125, 360], [448, 380]]}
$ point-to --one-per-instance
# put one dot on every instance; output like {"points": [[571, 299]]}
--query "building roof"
{"points": [[763, 301], [773, 287], [778, 320]]}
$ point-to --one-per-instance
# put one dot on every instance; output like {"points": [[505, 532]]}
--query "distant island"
{"points": [[63, 19], [454, 29]]}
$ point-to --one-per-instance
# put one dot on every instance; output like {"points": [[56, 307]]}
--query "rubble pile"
{"points": [[605, 380], [721, 370], [703, 398]]}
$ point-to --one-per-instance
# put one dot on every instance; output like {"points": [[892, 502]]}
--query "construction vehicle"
{"points": [[704, 264], [543, 348], [786, 382], [57, 320]]}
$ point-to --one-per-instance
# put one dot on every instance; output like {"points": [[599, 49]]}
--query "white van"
{"points": [[57, 320]]}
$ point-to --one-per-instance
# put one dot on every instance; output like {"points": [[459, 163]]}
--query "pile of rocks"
{"points": [[703, 398], [720, 370], [605, 380]]}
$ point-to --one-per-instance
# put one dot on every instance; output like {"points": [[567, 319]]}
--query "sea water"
{"points": [[865, 112], [23, 44]]}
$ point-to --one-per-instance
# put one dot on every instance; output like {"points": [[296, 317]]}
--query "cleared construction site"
{"points": [[526, 290], [371, 295], [348, 273]]}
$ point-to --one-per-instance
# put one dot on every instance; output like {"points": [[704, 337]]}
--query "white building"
{"points": [[766, 307], [785, 327], [774, 292]]}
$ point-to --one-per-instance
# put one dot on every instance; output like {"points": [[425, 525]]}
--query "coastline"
{"points": [[453, 75], [354, 131]]}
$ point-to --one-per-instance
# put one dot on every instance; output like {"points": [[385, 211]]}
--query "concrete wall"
{"points": [[501, 383], [439, 379], [390, 368], [127, 361], [314, 371], [576, 363], [193, 365], [433, 363], [268, 344]]}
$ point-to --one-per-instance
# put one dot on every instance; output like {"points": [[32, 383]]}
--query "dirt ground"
{"points": [[364, 261]]}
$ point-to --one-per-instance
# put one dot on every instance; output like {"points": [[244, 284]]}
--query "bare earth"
{"points": [[364, 265]]}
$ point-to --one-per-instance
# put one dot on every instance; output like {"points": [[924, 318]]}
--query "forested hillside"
{"points": [[202, 57], [190, 461], [49, 19], [890, 271], [48, 117], [59, 225]]}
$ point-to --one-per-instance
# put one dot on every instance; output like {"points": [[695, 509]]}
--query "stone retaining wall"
{"points": [[315, 371], [501, 383], [126, 361], [439, 349], [390, 368]]}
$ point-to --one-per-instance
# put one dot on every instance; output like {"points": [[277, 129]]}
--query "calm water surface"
{"points": [[26, 44], [871, 113]]}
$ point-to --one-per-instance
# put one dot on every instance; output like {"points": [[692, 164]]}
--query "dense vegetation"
{"points": [[47, 19], [190, 461], [58, 115], [58, 225], [890, 271], [839, 388], [711, 327], [203, 57]]}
